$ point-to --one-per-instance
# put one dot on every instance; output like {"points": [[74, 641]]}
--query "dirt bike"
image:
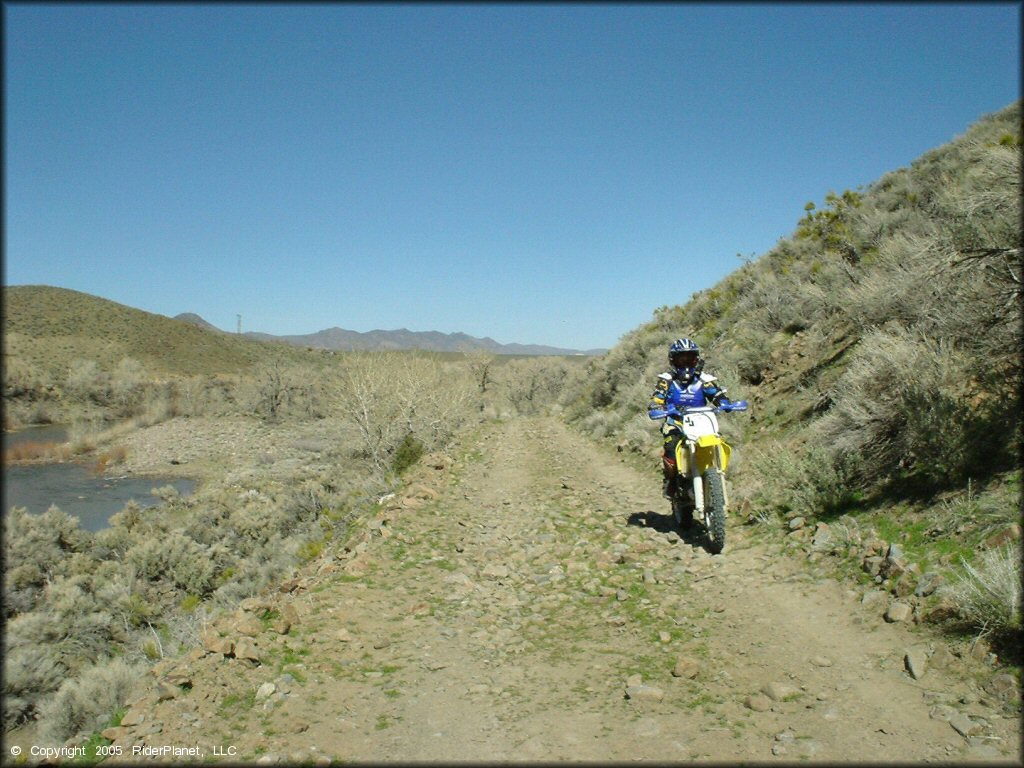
{"points": [[702, 457]]}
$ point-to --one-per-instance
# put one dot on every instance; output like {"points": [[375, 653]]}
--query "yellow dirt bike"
{"points": [[702, 457]]}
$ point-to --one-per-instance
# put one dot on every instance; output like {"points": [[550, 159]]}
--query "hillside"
{"points": [[49, 328], [885, 297], [194, 319], [879, 346]]}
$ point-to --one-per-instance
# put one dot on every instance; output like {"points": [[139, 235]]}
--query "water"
{"points": [[51, 433], [79, 492], [73, 487]]}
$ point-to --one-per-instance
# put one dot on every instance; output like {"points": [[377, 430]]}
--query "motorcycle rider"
{"points": [[684, 385]]}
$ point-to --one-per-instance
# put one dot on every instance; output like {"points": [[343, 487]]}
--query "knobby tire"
{"points": [[714, 510]]}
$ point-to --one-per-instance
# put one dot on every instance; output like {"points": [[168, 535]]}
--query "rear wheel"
{"points": [[714, 510]]}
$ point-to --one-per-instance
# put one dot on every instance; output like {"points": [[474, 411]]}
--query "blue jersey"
{"points": [[673, 395]]}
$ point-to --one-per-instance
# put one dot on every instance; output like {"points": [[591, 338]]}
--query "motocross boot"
{"points": [[669, 473]]}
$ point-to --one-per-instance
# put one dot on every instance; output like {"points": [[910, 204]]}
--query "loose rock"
{"points": [[898, 612], [915, 661]]}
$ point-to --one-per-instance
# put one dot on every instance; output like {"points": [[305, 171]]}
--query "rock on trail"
{"points": [[531, 601]]}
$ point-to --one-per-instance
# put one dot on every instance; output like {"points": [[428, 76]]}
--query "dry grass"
{"points": [[115, 455], [988, 593], [37, 451]]}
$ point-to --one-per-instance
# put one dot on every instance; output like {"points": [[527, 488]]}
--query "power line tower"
{"points": [[239, 325]]}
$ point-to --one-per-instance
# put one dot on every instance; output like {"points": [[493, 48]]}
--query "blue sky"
{"points": [[545, 174]]}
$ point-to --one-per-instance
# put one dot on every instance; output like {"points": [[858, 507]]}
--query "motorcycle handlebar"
{"points": [[739, 405]]}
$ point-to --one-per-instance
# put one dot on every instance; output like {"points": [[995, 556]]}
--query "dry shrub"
{"points": [[534, 384], [802, 480], [988, 593], [87, 702], [175, 558], [86, 382], [31, 669], [115, 455], [902, 402], [388, 396], [31, 450]]}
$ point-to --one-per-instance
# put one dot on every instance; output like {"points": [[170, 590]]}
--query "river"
{"points": [[74, 487]]}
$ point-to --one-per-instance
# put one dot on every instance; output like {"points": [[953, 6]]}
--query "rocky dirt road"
{"points": [[530, 601]]}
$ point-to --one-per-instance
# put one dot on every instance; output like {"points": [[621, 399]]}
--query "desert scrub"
{"points": [[988, 591], [800, 480], [406, 454], [902, 403]]}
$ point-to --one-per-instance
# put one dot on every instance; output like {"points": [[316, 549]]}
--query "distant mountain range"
{"points": [[435, 341]]}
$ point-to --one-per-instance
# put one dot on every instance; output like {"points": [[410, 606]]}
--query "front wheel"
{"points": [[714, 510]]}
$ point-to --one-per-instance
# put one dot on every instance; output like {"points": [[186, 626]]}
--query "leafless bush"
{"points": [[481, 368], [21, 379], [127, 387], [278, 390], [389, 396], [534, 384], [86, 382]]}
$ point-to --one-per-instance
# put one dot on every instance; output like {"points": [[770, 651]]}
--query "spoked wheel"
{"points": [[714, 510]]}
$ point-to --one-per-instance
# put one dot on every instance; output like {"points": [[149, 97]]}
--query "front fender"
{"points": [[706, 449]]}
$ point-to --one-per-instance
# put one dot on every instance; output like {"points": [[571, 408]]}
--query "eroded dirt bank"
{"points": [[530, 601]]}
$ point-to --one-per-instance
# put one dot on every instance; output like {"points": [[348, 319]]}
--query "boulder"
{"points": [[928, 583], [873, 565], [963, 725], [942, 658], [687, 667], [213, 643], [250, 626], [132, 718], [822, 536], [898, 611], [247, 650], [644, 692], [265, 691], [1004, 687]]}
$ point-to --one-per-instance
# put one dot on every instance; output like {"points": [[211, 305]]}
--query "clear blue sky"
{"points": [[545, 174]]}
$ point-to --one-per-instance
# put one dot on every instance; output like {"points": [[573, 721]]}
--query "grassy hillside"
{"points": [[879, 345], [926, 258], [49, 328]]}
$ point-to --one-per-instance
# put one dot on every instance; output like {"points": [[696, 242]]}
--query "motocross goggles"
{"points": [[684, 360]]}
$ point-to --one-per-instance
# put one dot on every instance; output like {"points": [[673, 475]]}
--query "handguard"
{"points": [[739, 405], [661, 413]]}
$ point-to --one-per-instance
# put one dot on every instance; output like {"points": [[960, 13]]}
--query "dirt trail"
{"points": [[534, 603]]}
